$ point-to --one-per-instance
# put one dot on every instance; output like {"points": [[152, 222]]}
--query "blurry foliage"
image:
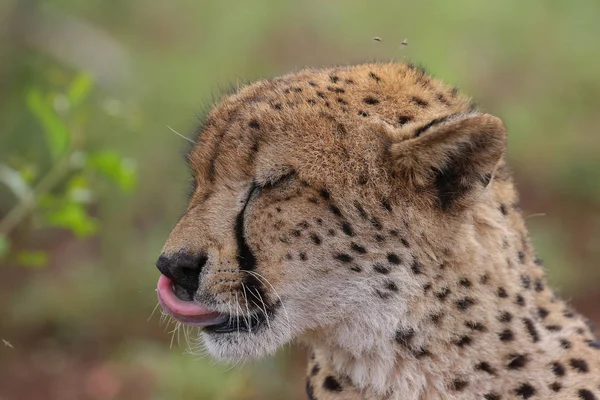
{"points": [[59, 195]]}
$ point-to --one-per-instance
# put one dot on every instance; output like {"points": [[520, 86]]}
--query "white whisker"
{"points": [[153, 311], [180, 135], [287, 316]]}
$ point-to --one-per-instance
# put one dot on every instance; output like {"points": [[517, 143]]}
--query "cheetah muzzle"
{"points": [[368, 212]]}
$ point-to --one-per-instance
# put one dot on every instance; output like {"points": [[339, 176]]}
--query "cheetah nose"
{"points": [[183, 268]]}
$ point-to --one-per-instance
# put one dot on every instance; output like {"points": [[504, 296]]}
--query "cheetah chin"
{"points": [[368, 213]]}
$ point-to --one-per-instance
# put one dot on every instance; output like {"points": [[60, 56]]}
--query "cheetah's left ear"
{"points": [[451, 155]]}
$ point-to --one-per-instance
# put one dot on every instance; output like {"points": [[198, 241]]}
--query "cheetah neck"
{"points": [[470, 299]]}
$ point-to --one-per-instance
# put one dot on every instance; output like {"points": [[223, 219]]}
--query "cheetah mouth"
{"points": [[177, 303]]}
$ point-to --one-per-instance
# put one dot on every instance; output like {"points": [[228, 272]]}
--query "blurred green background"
{"points": [[92, 178]]}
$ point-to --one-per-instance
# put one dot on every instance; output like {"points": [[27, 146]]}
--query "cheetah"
{"points": [[368, 212]]}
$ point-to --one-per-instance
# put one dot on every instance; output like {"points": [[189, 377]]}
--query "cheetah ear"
{"points": [[451, 156]]}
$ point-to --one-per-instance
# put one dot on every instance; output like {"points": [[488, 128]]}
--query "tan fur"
{"points": [[401, 260]]}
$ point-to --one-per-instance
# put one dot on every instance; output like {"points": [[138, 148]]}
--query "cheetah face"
{"points": [[301, 217], [257, 272]]}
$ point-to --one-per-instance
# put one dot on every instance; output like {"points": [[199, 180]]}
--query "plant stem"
{"points": [[27, 204]]}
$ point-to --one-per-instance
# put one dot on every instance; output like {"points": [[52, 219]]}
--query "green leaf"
{"points": [[115, 167], [4, 247], [32, 259], [72, 216], [56, 132], [79, 88]]}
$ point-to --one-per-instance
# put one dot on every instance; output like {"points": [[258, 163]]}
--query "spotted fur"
{"points": [[367, 212]]}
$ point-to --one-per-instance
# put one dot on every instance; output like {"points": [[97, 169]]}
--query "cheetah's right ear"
{"points": [[451, 156]]}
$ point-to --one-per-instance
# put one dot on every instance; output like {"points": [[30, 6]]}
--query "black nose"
{"points": [[182, 268]]}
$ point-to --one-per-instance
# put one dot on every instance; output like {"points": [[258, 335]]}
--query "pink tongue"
{"points": [[184, 311]]}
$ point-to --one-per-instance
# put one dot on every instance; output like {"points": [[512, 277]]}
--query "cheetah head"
{"points": [[317, 196]]}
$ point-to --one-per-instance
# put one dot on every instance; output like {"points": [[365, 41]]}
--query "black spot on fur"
{"points": [[361, 211], [336, 211], [558, 369], [554, 328], [419, 102], [375, 77], [520, 300], [585, 394], [443, 294], [555, 386], [535, 336], [370, 100], [526, 281], [539, 285], [358, 248], [476, 326], [379, 238], [503, 209], [382, 269], [502, 292], [465, 282], [404, 242], [416, 267], [324, 194], [376, 224], [463, 341], [485, 367], [391, 286], [393, 258], [362, 114], [303, 256], [505, 317], [331, 384], [355, 268], [506, 335], [404, 337], [579, 365], [315, 238], [492, 396], [404, 119], [422, 352], [436, 318], [464, 304], [542, 312], [521, 257], [525, 391], [459, 385], [347, 228], [335, 89], [343, 257], [254, 124], [517, 361], [386, 205], [334, 78]]}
